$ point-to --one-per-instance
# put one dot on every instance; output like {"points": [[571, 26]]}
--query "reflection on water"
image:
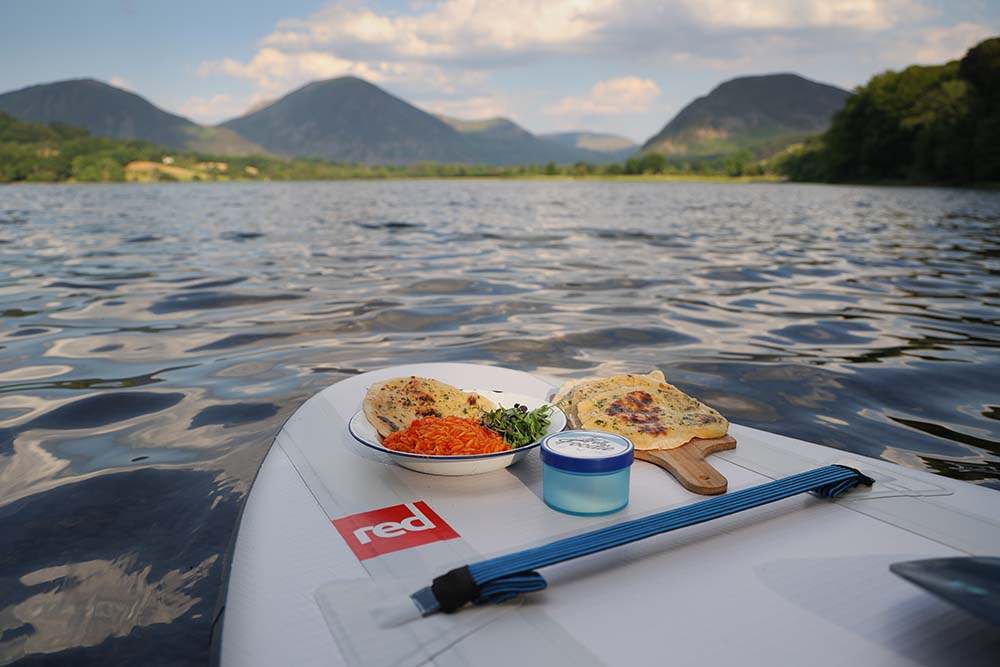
{"points": [[154, 338]]}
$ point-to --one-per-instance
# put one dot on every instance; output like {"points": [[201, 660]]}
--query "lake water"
{"points": [[153, 339]]}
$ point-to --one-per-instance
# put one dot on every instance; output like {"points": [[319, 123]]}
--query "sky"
{"points": [[620, 66]]}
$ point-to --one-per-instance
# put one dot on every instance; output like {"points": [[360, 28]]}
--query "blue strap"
{"points": [[498, 579]]}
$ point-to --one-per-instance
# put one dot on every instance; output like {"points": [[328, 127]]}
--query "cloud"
{"points": [[275, 72], [454, 29], [470, 108], [429, 43], [493, 31], [628, 94], [938, 45], [214, 108], [796, 14], [119, 82], [445, 53], [272, 69]]}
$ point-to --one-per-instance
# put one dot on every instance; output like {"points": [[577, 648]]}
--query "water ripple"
{"points": [[154, 338]]}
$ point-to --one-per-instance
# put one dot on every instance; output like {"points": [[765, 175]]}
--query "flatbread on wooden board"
{"points": [[652, 418], [573, 391], [568, 386], [652, 413], [392, 405]]}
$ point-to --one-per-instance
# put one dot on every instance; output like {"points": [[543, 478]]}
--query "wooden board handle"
{"points": [[688, 466]]}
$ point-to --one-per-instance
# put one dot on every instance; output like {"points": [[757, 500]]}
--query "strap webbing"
{"points": [[500, 578]]}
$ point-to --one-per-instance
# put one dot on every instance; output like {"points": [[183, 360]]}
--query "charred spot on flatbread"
{"points": [[570, 395], [388, 422], [637, 408]]}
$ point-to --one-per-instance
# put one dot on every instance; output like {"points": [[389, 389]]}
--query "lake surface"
{"points": [[153, 339]]}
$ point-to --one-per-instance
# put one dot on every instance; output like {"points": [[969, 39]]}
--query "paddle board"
{"points": [[804, 580]]}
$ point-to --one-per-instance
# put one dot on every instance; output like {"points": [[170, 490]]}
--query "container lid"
{"points": [[587, 451]]}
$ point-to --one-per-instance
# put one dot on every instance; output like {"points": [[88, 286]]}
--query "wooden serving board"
{"points": [[688, 465]]}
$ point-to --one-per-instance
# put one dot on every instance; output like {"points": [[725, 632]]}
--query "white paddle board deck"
{"points": [[800, 581]]}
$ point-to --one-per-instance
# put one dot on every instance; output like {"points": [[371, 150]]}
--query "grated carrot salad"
{"points": [[446, 436]]}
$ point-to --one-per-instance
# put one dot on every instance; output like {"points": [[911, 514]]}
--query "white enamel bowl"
{"points": [[472, 464]]}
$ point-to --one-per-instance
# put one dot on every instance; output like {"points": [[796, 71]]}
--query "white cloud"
{"points": [[214, 108], [938, 45], [448, 30], [443, 52], [119, 82], [470, 108], [429, 43], [628, 94], [487, 31], [272, 69], [794, 14], [275, 72]]}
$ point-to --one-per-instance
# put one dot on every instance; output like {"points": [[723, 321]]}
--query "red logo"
{"points": [[389, 529]]}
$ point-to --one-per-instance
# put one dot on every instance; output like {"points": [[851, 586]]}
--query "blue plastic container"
{"points": [[586, 472]]}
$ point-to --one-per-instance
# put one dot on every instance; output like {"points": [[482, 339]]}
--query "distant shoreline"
{"points": [[631, 178]]}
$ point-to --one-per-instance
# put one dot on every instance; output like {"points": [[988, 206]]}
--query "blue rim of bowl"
{"points": [[439, 457]]}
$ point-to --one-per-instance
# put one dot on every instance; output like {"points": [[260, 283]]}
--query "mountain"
{"points": [[350, 120], [613, 144], [501, 141], [112, 112], [762, 114]]}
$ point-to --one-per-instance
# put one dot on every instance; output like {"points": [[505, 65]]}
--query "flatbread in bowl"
{"points": [[394, 404], [403, 408]]}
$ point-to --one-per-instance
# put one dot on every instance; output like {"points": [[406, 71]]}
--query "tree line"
{"points": [[924, 124], [31, 152]]}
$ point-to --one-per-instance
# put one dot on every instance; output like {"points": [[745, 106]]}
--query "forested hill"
{"points": [[107, 111], [348, 119], [351, 120], [759, 114], [501, 141], [925, 124]]}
